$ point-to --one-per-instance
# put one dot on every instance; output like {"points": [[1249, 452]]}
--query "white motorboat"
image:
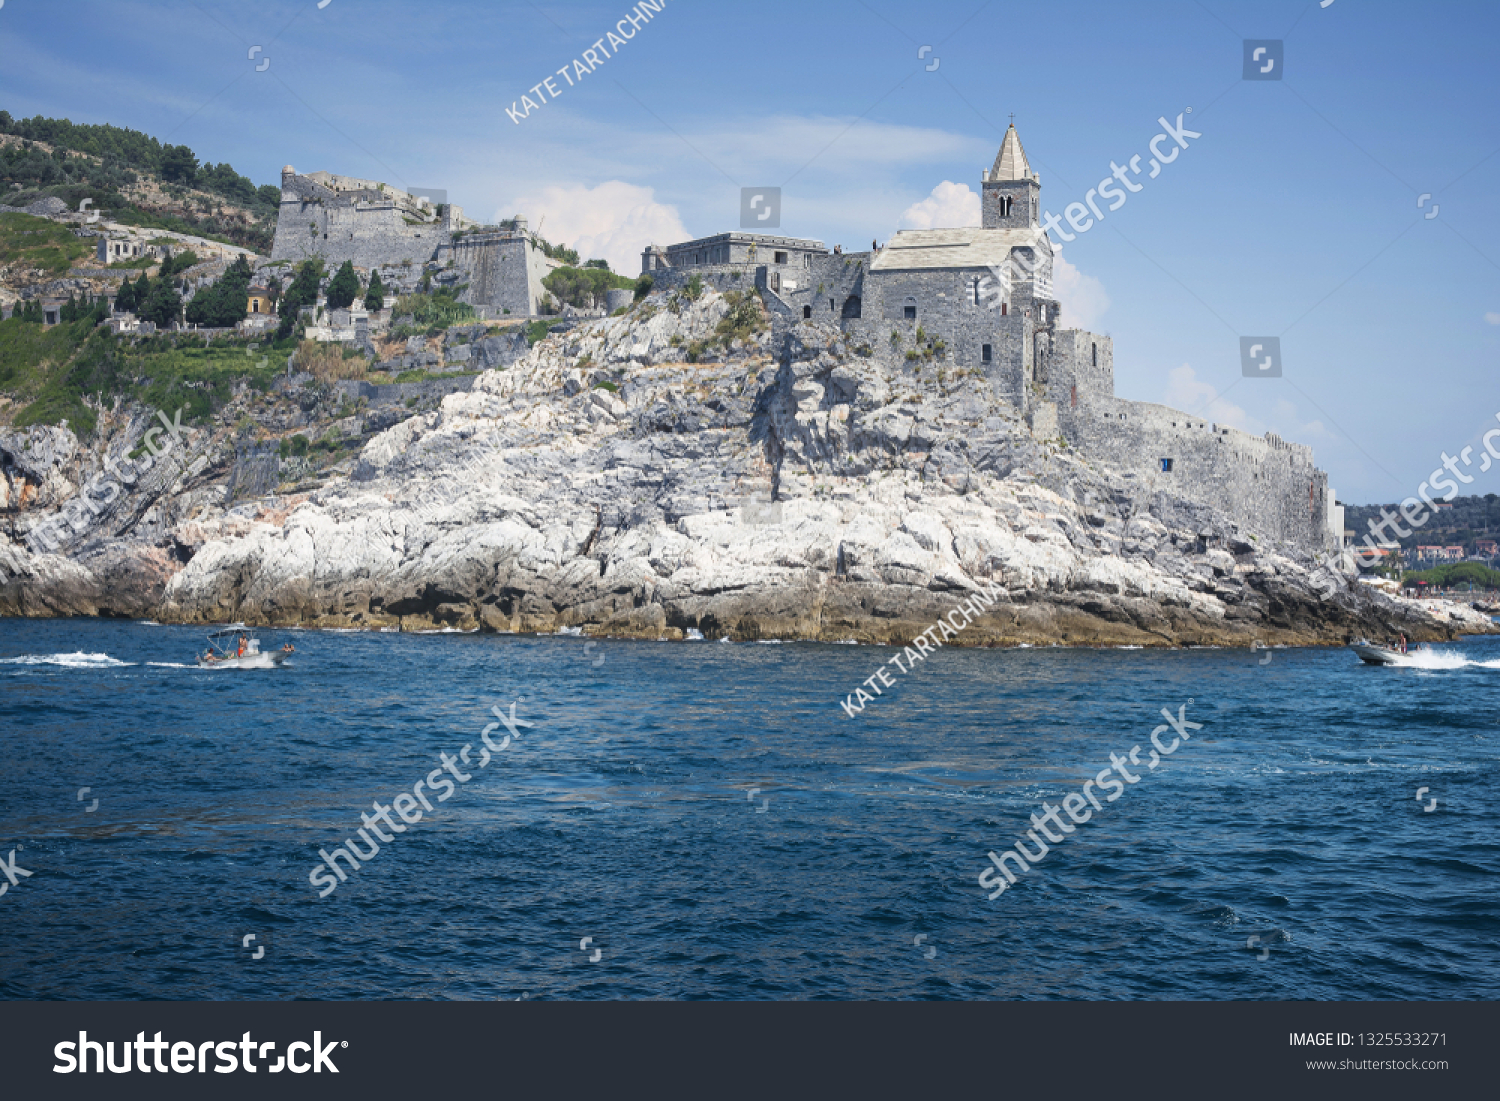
{"points": [[233, 647], [1371, 654]]}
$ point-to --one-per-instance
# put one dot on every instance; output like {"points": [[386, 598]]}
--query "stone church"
{"points": [[982, 299]]}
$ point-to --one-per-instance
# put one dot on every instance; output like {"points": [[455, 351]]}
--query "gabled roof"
{"points": [[1010, 162], [929, 249]]}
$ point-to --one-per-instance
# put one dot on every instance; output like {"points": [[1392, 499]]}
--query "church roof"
{"points": [[931, 249], [1010, 162]]}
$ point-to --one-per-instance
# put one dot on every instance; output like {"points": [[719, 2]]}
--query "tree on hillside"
{"points": [[584, 287], [163, 306], [178, 164], [302, 292], [226, 302], [375, 296], [125, 297], [344, 288], [142, 290]]}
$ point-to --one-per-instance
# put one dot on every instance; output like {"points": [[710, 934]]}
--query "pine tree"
{"points": [[375, 296], [125, 297], [302, 292], [344, 288]]}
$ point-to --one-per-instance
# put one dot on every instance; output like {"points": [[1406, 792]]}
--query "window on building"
{"points": [[806, 311], [807, 259], [781, 258], [1075, 397], [1095, 349], [1004, 309], [910, 313], [831, 306], [985, 355], [1166, 466]]}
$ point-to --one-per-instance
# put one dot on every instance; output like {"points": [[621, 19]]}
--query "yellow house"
{"points": [[260, 301]]}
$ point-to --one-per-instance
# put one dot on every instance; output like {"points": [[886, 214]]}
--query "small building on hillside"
{"points": [[260, 301]]}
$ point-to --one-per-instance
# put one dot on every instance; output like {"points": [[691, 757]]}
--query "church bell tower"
{"points": [[1012, 193]]}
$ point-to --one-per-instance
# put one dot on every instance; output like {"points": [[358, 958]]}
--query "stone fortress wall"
{"points": [[375, 226]]}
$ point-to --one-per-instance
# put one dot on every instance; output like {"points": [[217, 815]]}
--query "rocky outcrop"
{"points": [[780, 486]]}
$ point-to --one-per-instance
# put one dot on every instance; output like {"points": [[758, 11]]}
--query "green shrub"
{"points": [[433, 311], [585, 287], [744, 319]]}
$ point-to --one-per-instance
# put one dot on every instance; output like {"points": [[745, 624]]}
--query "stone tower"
{"points": [[1012, 192]]}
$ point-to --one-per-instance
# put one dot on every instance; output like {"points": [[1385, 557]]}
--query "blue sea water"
{"points": [[1282, 852]]}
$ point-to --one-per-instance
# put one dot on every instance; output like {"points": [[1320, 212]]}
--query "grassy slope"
{"points": [[39, 243], [50, 373]]}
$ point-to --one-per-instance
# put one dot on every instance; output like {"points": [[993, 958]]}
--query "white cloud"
{"points": [[1492, 317], [1187, 392], [950, 206], [1082, 296], [614, 221]]}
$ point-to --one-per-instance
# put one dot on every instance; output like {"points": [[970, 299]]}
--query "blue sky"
{"points": [[1294, 215]]}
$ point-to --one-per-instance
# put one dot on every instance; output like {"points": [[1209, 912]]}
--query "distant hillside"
{"points": [[134, 179], [1460, 521]]}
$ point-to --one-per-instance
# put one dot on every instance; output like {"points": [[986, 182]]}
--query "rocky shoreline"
{"points": [[783, 486]]}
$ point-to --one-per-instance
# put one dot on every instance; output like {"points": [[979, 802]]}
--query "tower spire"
{"points": [[1010, 162]]}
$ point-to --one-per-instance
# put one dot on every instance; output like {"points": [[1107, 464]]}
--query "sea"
{"points": [[705, 820]]}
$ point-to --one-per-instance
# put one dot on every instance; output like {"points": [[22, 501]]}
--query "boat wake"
{"points": [[1441, 659], [79, 660]]}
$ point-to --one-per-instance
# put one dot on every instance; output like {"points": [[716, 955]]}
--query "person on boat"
{"points": [[241, 652], [1403, 644], [288, 649]]}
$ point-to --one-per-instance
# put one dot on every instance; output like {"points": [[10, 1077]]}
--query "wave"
{"points": [[571, 632], [1433, 659], [693, 635], [169, 665], [1441, 660], [78, 660]]}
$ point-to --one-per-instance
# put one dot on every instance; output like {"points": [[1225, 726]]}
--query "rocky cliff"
{"points": [[781, 485]]}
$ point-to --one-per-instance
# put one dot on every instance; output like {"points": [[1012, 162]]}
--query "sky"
{"points": [[1347, 209]]}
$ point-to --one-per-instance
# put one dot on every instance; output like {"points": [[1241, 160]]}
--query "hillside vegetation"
{"points": [[66, 372], [135, 179], [37, 244], [1468, 519]]}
